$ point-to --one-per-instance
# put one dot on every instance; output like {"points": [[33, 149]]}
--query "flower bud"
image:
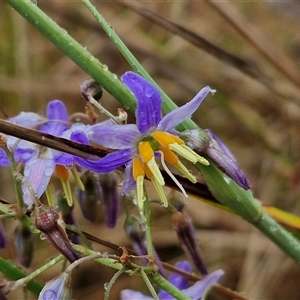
{"points": [[3, 236], [59, 288], [24, 244], [89, 199], [207, 143], [67, 216], [46, 221], [91, 88], [182, 225], [110, 197]]}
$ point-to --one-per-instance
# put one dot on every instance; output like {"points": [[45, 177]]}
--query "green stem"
{"points": [[17, 183], [24, 281], [146, 217], [168, 104], [168, 287], [149, 285], [76, 52], [12, 272], [112, 282]]}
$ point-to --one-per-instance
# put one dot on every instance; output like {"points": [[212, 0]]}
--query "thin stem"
{"points": [[112, 282], [149, 285], [17, 183], [24, 281], [146, 217], [103, 110], [77, 262]]}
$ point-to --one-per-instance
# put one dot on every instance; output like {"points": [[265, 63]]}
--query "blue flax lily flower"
{"points": [[152, 136], [194, 292]]}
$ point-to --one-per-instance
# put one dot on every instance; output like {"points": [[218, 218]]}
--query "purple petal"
{"points": [[38, 172], [75, 127], [196, 291], [114, 160], [28, 119], [114, 137], [178, 115], [178, 280], [181, 282], [133, 295], [220, 144], [129, 182], [57, 110], [148, 112], [228, 166], [4, 159], [111, 198]]}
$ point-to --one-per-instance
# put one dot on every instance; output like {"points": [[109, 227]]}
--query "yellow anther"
{"points": [[169, 156], [62, 172], [146, 152], [164, 138], [137, 168]]}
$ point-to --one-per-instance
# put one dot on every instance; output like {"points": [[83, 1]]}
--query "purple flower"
{"points": [[152, 136], [40, 161], [194, 292], [40, 166]]}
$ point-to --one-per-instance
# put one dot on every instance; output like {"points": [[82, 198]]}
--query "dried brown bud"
{"points": [[46, 221]]}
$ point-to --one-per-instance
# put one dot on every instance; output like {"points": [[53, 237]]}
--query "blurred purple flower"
{"points": [[138, 144], [194, 292]]}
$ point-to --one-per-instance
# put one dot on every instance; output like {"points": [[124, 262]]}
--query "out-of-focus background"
{"points": [[252, 62]]}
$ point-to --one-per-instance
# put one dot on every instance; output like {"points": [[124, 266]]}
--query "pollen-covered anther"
{"points": [[177, 145], [138, 175], [147, 156]]}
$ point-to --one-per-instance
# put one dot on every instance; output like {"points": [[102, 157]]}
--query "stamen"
{"points": [[172, 159], [164, 138], [171, 174], [137, 168], [68, 192], [50, 194], [146, 152], [201, 159], [140, 192], [152, 165], [77, 178], [62, 172], [183, 152], [183, 169], [160, 191], [138, 173], [157, 187]]}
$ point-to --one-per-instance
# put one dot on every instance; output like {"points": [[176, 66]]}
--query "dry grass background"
{"points": [[259, 119]]}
